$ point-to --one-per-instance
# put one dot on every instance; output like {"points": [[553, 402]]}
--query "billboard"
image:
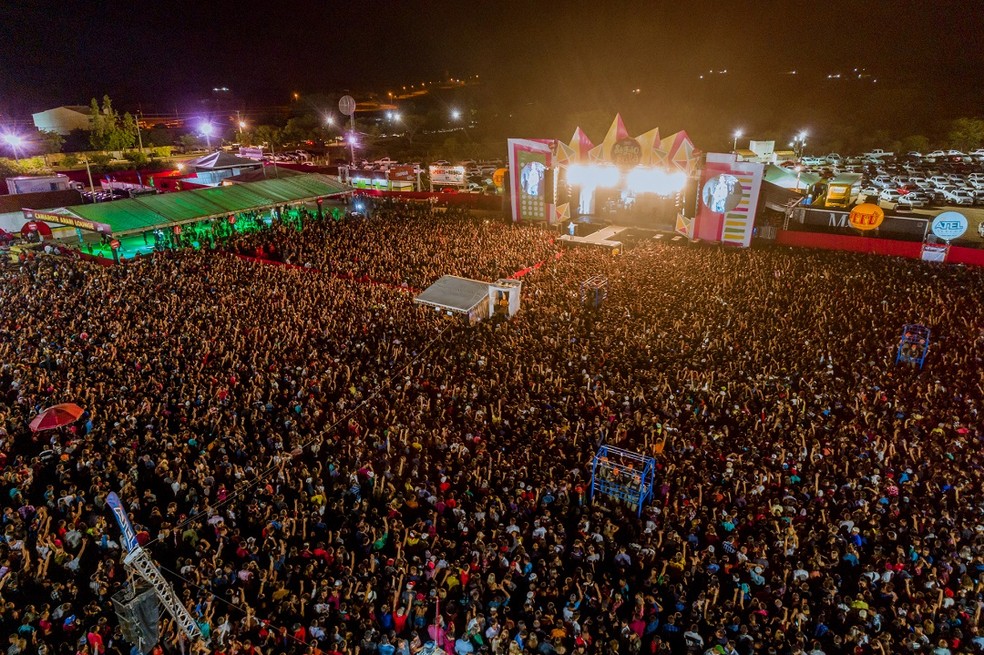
{"points": [[402, 174], [447, 176], [729, 192], [530, 161]]}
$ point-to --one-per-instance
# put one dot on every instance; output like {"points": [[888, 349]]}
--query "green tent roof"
{"points": [[147, 212], [120, 215], [181, 206]]}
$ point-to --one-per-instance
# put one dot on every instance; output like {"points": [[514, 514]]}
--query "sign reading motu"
{"points": [[949, 225], [866, 216], [63, 219]]}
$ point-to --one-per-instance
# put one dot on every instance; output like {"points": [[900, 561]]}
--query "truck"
{"points": [[39, 183], [843, 190], [878, 153]]}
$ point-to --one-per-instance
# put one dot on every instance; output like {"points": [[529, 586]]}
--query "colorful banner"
{"points": [[66, 219], [447, 176], [401, 174], [529, 163], [129, 539], [729, 192]]}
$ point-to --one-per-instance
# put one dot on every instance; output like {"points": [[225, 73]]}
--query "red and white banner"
{"points": [[729, 192]]}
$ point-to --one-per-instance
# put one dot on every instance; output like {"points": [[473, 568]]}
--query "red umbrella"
{"points": [[56, 416]]}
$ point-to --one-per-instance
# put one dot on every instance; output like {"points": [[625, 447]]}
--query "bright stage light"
{"points": [[592, 176], [13, 140], [577, 175], [655, 180]]}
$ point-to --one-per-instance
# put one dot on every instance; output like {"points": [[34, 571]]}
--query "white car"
{"points": [[878, 153], [959, 197], [912, 200], [889, 195]]}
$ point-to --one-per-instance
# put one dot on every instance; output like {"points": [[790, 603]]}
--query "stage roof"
{"points": [[458, 294], [164, 210]]}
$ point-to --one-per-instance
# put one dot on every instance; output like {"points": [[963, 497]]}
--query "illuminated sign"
{"points": [[65, 219], [949, 225], [866, 216], [626, 153]]}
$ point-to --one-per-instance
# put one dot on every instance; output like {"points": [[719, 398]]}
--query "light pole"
{"points": [[799, 145], [734, 145], [206, 129], [799, 171], [15, 142]]}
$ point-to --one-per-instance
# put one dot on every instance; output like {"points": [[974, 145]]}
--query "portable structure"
{"points": [[913, 344], [624, 475]]}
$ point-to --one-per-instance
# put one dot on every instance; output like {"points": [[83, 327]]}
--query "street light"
{"points": [[798, 144], [737, 135], [206, 129], [14, 141], [329, 120], [455, 114]]}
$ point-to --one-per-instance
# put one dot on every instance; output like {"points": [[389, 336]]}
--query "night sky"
{"points": [[576, 56]]}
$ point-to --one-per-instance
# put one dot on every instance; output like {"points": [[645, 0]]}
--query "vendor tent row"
{"points": [[144, 213]]}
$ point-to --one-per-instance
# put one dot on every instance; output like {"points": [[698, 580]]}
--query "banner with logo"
{"points": [[729, 192], [402, 174], [66, 219], [910, 228], [447, 176], [949, 226]]}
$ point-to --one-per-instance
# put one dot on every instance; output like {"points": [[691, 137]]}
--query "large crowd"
{"points": [[320, 466]]}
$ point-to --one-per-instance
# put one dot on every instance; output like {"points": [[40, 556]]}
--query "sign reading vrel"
{"points": [[949, 225], [63, 219], [866, 216]]}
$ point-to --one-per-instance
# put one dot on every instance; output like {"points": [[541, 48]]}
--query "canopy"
{"points": [[220, 160], [457, 294], [166, 210]]}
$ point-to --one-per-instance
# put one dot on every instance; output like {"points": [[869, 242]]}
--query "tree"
{"points": [[412, 123], [110, 131], [916, 142], [966, 133], [269, 134], [301, 128], [50, 142], [190, 141]]}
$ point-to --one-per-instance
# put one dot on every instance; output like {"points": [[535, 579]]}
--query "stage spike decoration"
{"points": [[623, 475], [684, 226], [616, 133], [564, 154], [650, 143], [594, 291], [581, 145], [913, 345], [137, 613]]}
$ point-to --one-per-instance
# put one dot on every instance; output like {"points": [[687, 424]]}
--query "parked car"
{"points": [[878, 153], [959, 197], [889, 195], [912, 200]]}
